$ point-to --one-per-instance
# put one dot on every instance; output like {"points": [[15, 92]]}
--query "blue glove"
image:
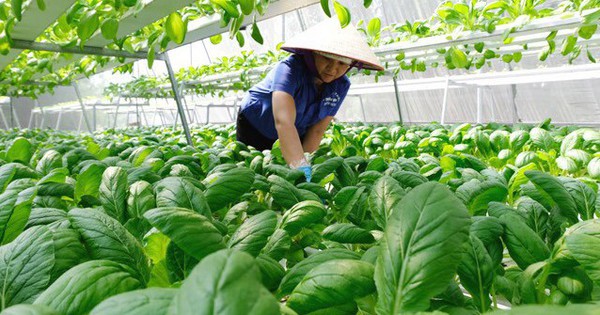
{"points": [[307, 169]]}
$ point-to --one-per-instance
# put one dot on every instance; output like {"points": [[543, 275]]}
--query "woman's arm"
{"points": [[315, 133], [284, 112]]}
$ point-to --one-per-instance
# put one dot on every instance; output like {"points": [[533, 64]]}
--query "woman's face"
{"points": [[329, 69]]}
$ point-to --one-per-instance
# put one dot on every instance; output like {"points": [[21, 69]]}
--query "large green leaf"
{"points": [[385, 196], [476, 272], [228, 187], [45, 216], [542, 139], [25, 266], [228, 6], [178, 264], [593, 168], [179, 192], [176, 28], [141, 199], [347, 199], [88, 182], [332, 283], [579, 309], [253, 234], [153, 301], [109, 28], [7, 172], [518, 139], [421, 248], [347, 233], [561, 253], [343, 13], [271, 270], [88, 25], [113, 192], [29, 309], [68, 251], [20, 150], [555, 192], [566, 164], [285, 194], [296, 273], [17, 8], [326, 168], [105, 238], [247, 6], [191, 231], [325, 7], [537, 216], [278, 244], [584, 197], [571, 141], [486, 229], [586, 250], [83, 287], [226, 282], [476, 194], [15, 208], [409, 179], [301, 215], [49, 161], [523, 244]]}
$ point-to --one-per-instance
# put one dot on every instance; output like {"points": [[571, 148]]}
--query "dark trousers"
{"points": [[247, 134]]}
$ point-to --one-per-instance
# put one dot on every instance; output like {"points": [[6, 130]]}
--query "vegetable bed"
{"points": [[397, 220]]}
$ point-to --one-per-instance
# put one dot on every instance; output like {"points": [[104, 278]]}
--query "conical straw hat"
{"points": [[329, 37]]}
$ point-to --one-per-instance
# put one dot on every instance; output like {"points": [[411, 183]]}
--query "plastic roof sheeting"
{"points": [[576, 102]]}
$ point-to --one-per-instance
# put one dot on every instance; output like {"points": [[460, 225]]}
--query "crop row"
{"points": [[397, 220]]}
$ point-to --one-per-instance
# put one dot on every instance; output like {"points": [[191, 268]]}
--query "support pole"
{"points": [[162, 118], [479, 105], [87, 122], [206, 52], [445, 102], [513, 89], [80, 122], [515, 109], [118, 104], [116, 116], [57, 127], [137, 114], [362, 108], [29, 125], [16, 117], [184, 123], [145, 117], [396, 91], [174, 119], [43, 114], [301, 20], [283, 27], [12, 118], [4, 118], [94, 117], [493, 113]]}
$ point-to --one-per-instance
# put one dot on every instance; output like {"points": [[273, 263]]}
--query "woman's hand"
{"points": [[284, 112]]}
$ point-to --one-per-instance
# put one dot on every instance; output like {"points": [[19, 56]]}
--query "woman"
{"points": [[300, 96]]}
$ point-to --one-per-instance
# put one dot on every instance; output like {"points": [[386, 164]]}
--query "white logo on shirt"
{"points": [[332, 100]]}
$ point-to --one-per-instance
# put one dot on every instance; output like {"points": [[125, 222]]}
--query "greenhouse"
{"points": [[262, 157]]}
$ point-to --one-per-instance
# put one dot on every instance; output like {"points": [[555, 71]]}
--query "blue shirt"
{"points": [[293, 77]]}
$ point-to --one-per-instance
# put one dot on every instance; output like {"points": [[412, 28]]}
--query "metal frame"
{"points": [[4, 118], [83, 111]]}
